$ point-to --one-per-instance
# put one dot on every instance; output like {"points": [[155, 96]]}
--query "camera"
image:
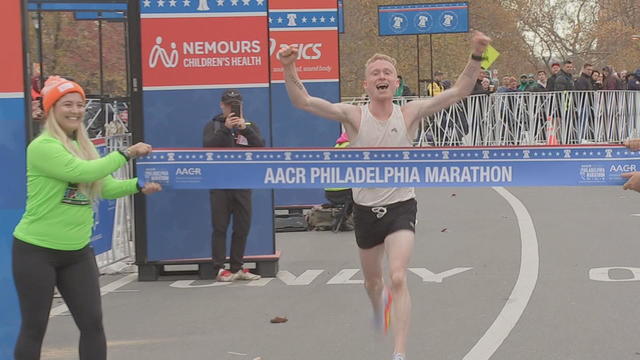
{"points": [[236, 108]]}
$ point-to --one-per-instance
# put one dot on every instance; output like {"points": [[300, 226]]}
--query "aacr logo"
{"points": [[622, 168], [189, 171]]}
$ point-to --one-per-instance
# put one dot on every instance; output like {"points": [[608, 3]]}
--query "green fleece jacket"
{"points": [[57, 215]]}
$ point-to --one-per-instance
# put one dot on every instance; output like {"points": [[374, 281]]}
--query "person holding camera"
{"points": [[230, 129]]}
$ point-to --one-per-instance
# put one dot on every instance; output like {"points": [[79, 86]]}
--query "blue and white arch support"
{"points": [[12, 200], [12, 157]]}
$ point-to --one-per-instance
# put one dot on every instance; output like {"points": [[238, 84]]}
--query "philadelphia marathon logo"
{"points": [[158, 52]]}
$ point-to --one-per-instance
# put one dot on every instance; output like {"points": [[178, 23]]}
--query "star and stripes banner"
{"points": [[303, 19], [202, 6], [311, 25], [423, 19], [423, 167]]}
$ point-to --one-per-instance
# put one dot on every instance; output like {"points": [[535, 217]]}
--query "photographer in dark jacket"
{"points": [[229, 129]]}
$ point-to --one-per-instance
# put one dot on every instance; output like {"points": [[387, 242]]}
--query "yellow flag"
{"points": [[490, 55]]}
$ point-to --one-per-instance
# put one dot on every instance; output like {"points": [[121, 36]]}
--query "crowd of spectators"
{"points": [[561, 78]]}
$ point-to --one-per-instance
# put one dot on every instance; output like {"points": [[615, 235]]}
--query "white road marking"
{"points": [[61, 309], [429, 276], [305, 279], [603, 274], [522, 290], [344, 277]]}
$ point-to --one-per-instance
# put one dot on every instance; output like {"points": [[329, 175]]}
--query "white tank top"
{"points": [[379, 133]]}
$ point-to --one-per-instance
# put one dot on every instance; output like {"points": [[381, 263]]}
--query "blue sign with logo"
{"points": [[420, 19], [416, 167]]}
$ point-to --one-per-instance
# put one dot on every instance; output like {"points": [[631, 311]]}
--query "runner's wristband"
{"points": [[477, 58]]}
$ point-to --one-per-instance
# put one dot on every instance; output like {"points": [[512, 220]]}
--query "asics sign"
{"points": [[307, 51]]}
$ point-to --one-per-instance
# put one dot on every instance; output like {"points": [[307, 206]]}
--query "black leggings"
{"points": [[35, 272]]}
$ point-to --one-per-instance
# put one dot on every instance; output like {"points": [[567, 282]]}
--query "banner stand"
{"points": [[265, 266]]}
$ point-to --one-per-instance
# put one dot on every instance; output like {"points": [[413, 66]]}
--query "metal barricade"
{"points": [[123, 225], [531, 118], [106, 116]]}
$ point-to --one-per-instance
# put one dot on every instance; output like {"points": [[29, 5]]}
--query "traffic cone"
{"points": [[551, 132]]}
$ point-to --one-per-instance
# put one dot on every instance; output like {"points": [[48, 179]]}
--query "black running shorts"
{"points": [[374, 223]]}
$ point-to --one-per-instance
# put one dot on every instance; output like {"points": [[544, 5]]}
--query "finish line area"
{"points": [[499, 273]]}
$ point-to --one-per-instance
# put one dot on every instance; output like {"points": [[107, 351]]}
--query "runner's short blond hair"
{"points": [[378, 56]]}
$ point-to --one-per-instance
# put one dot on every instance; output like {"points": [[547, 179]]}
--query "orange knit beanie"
{"points": [[56, 87]]}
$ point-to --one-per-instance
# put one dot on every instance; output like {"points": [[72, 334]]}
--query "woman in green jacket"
{"points": [[65, 178]]}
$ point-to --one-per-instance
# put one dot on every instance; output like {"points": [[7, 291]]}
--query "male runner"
{"points": [[384, 217]]}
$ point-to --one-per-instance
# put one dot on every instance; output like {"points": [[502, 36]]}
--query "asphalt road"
{"points": [[503, 274]]}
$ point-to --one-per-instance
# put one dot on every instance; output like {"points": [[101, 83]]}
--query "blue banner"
{"points": [[423, 167], [12, 199], [340, 18], [176, 118], [423, 19], [62, 6], [302, 19], [313, 26], [104, 215], [93, 15]]}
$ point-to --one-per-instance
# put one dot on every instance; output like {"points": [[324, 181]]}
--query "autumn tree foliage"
{"points": [[530, 34], [70, 48]]}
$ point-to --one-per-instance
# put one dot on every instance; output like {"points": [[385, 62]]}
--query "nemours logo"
{"points": [[158, 52], [171, 58]]}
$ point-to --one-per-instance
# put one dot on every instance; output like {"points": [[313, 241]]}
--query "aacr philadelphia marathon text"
{"points": [[388, 174]]}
